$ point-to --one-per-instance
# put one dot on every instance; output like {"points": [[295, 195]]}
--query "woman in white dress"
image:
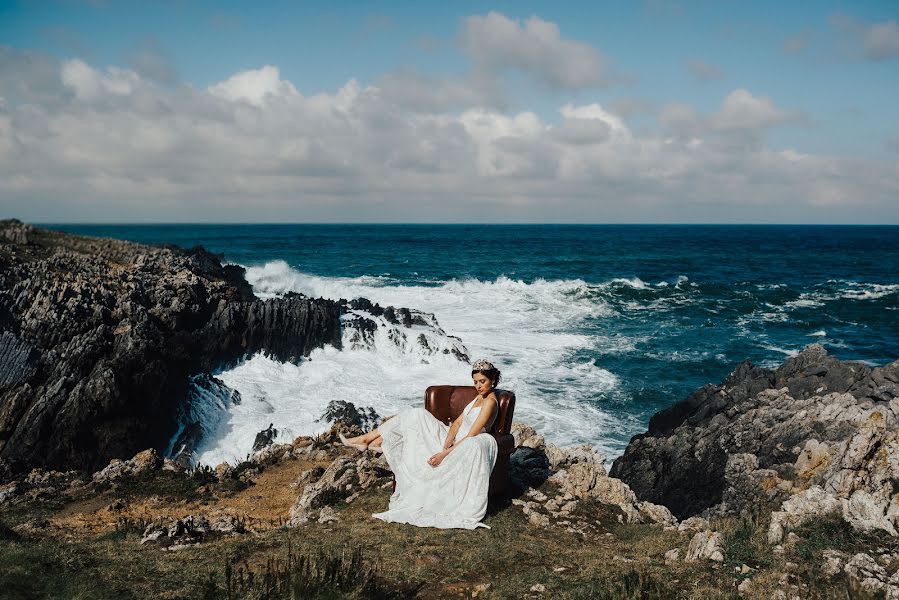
{"points": [[442, 471]]}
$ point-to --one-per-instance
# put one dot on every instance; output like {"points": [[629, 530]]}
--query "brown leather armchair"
{"points": [[446, 402]]}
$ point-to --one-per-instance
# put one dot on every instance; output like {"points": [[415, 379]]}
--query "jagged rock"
{"points": [[271, 454], [528, 467], [705, 545], [107, 334], [190, 529], [9, 491], [745, 484], [525, 435], [223, 471], [228, 525], [265, 438], [327, 515], [142, 462], [672, 556], [561, 458], [345, 414], [693, 524], [342, 478], [866, 513], [833, 562], [308, 476], [864, 572], [815, 420], [801, 506]]}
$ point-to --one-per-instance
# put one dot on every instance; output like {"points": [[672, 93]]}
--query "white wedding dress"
{"points": [[454, 493]]}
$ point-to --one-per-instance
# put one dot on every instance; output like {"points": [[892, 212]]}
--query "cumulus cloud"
{"points": [[114, 145], [496, 43], [742, 110]]}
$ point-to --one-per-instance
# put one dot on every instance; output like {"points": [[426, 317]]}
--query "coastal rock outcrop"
{"points": [[98, 339], [815, 435]]}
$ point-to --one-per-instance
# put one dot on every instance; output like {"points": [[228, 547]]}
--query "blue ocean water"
{"points": [[596, 326]]}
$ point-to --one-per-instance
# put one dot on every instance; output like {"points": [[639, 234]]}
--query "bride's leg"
{"points": [[365, 438]]}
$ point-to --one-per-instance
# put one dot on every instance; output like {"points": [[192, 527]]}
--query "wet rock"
{"points": [[265, 438], [100, 337]]}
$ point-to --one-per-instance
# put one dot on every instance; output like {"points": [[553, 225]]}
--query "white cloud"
{"points": [[496, 43], [254, 85], [112, 145], [742, 110], [89, 85]]}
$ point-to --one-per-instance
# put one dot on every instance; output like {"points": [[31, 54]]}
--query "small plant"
{"points": [[831, 531], [316, 575], [745, 542]]}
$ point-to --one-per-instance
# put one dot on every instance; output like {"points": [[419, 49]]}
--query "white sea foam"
{"points": [[527, 329], [821, 333]]}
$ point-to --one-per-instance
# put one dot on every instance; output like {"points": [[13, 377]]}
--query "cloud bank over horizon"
{"points": [[86, 142]]}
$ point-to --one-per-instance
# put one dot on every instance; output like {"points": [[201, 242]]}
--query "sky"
{"points": [[453, 112]]}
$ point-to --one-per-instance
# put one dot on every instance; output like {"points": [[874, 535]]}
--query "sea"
{"points": [[594, 327]]}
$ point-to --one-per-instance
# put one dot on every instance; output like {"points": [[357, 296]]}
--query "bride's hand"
{"points": [[437, 458]]}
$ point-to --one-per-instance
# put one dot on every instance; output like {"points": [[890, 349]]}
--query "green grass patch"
{"points": [[746, 540], [831, 531]]}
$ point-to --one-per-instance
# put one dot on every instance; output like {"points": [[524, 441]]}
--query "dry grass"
{"points": [[86, 555]]}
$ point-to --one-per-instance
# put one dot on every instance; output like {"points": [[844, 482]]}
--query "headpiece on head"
{"points": [[482, 365]]}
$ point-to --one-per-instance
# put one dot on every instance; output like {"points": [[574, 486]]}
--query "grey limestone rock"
{"points": [[762, 435]]}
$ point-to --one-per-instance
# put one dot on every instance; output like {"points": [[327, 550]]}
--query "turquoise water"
{"points": [[597, 327]]}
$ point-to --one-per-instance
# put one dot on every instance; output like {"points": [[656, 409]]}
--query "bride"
{"points": [[442, 471]]}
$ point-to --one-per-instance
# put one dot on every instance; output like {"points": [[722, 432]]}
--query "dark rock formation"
{"points": [[265, 438], [98, 339], [739, 442]]}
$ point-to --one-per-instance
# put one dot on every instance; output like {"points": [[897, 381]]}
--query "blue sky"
{"points": [[722, 112]]}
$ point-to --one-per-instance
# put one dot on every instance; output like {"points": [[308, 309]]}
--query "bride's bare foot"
{"points": [[349, 443], [376, 449]]}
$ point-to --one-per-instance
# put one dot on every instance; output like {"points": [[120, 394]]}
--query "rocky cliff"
{"points": [[99, 337], [815, 435]]}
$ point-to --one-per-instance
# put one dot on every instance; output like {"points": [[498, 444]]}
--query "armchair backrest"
{"points": [[446, 402]]}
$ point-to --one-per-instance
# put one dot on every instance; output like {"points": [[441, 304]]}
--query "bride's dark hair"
{"points": [[492, 374]]}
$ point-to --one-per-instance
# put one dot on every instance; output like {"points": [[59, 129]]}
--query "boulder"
{"points": [[705, 545]]}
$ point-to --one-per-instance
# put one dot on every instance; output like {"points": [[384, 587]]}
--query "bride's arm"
{"points": [[480, 422], [451, 434]]}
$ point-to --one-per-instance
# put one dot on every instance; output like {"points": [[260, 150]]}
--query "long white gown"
{"points": [[454, 493]]}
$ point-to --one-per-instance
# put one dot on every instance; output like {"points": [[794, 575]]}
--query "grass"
{"points": [[831, 531], [92, 550], [746, 540]]}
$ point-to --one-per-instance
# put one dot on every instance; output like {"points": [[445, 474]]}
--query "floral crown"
{"points": [[483, 365]]}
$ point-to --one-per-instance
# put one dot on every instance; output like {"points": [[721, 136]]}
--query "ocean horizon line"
{"points": [[454, 224]]}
